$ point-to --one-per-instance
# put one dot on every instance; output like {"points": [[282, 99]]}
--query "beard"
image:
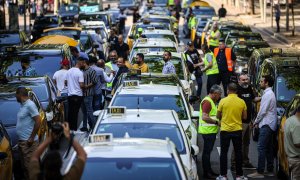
{"points": [[244, 86]]}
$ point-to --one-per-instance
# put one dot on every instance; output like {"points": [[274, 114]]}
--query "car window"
{"points": [[10, 39], [8, 116], [53, 90]]}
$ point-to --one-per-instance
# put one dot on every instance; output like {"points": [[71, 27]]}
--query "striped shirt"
{"points": [[90, 76]]}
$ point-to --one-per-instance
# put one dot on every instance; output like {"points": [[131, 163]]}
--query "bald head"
{"points": [[101, 63]]}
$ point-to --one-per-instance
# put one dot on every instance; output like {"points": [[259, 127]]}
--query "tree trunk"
{"points": [[2, 14], [13, 16]]}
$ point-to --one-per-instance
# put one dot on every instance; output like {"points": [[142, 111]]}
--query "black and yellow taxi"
{"points": [[236, 35], [243, 50], [6, 158], [282, 162], [286, 74], [72, 32], [12, 38], [225, 28], [43, 58], [259, 55], [43, 22]]}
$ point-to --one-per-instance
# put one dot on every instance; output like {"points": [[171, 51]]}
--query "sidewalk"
{"points": [[255, 21]]}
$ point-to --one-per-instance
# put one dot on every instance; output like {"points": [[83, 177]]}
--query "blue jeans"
{"points": [[87, 110], [209, 142], [97, 102], [265, 149], [199, 84]]}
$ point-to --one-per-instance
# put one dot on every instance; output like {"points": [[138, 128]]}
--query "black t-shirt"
{"points": [[194, 56], [247, 95], [222, 62], [122, 50], [113, 41]]}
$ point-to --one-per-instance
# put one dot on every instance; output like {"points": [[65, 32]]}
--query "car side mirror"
{"points": [[195, 115], [130, 37], [194, 150], [60, 99], [3, 155]]}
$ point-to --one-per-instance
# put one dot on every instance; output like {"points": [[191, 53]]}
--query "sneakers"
{"points": [[269, 174], [256, 175], [241, 178], [221, 178], [248, 166]]}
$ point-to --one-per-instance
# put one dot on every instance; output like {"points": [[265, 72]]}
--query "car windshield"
{"points": [[204, 11], [159, 20], [44, 21], [156, 64], [10, 39], [160, 2], [67, 32], [287, 86], [8, 111], [41, 63], [165, 80], [246, 50], [68, 9], [126, 1], [169, 102], [153, 49], [164, 36], [145, 130], [131, 168], [94, 17]]}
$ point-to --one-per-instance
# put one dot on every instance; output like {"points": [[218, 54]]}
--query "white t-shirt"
{"points": [[60, 77], [74, 77]]}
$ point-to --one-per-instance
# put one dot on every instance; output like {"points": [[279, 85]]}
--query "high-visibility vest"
{"points": [[192, 22], [228, 57], [171, 2], [204, 127], [213, 42], [214, 69], [108, 64]]}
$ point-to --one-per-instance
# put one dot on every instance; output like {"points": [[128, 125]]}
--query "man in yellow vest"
{"points": [[210, 67], [192, 23], [209, 127], [214, 37], [171, 3], [112, 65]]}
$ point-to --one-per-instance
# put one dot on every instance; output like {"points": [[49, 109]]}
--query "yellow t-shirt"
{"points": [[127, 64], [232, 108], [144, 68]]}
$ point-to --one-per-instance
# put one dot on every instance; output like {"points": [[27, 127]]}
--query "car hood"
{"points": [[68, 14]]}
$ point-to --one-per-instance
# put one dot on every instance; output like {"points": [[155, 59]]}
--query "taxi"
{"points": [[6, 158], [44, 58], [235, 35], [57, 39], [152, 124], [155, 64], [133, 31], [92, 25], [147, 45], [282, 162], [243, 50], [154, 78], [41, 23], [72, 32], [159, 19], [12, 38], [96, 17], [158, 97], [151, 32], [225, 28], [130, 158]]}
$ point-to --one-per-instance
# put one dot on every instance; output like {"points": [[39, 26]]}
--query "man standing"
{"points": [[194, 63], [59, 76], [222, 12], [140, 64], [292, 143], [214, 37], [208, 127], [122, 48], [266, 120], [97, 99], [112, 66], [75, 83], [246, 93], [277, 16], [210, 67], [98, 40], [90, 80], [122, 69], [122, 20], [169, 67], [28, 124], [231, 115], [113, 40], [226, 62]]}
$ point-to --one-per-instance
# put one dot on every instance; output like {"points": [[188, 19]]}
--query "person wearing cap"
{"points": [[139, 34], [90, 80], [194, 63], [75, 83], [226, 62], [140, 63], [214, 37], [192, 22], [210, 67], [59, 77]]}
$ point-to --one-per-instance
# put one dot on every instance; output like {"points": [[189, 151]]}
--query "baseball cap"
{"points": [[65, 62]]}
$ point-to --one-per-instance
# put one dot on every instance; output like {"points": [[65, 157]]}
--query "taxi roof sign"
{"points": [[116, 110], [10, 49], [131, 83], [276, 51], [98, 139], [143, 40]]}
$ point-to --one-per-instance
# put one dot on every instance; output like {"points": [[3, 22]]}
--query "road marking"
{"points": [[219, 150]]}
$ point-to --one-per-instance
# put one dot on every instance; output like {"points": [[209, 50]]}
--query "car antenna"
{"points": [[138, 106]]}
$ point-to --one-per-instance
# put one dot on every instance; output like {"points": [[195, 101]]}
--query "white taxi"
{"points": [[151, 32], [147, 45], [153, 124], [133, 95], [130, 158]]}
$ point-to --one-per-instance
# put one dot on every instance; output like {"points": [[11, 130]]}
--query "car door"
{"points": [[5, 155]]}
